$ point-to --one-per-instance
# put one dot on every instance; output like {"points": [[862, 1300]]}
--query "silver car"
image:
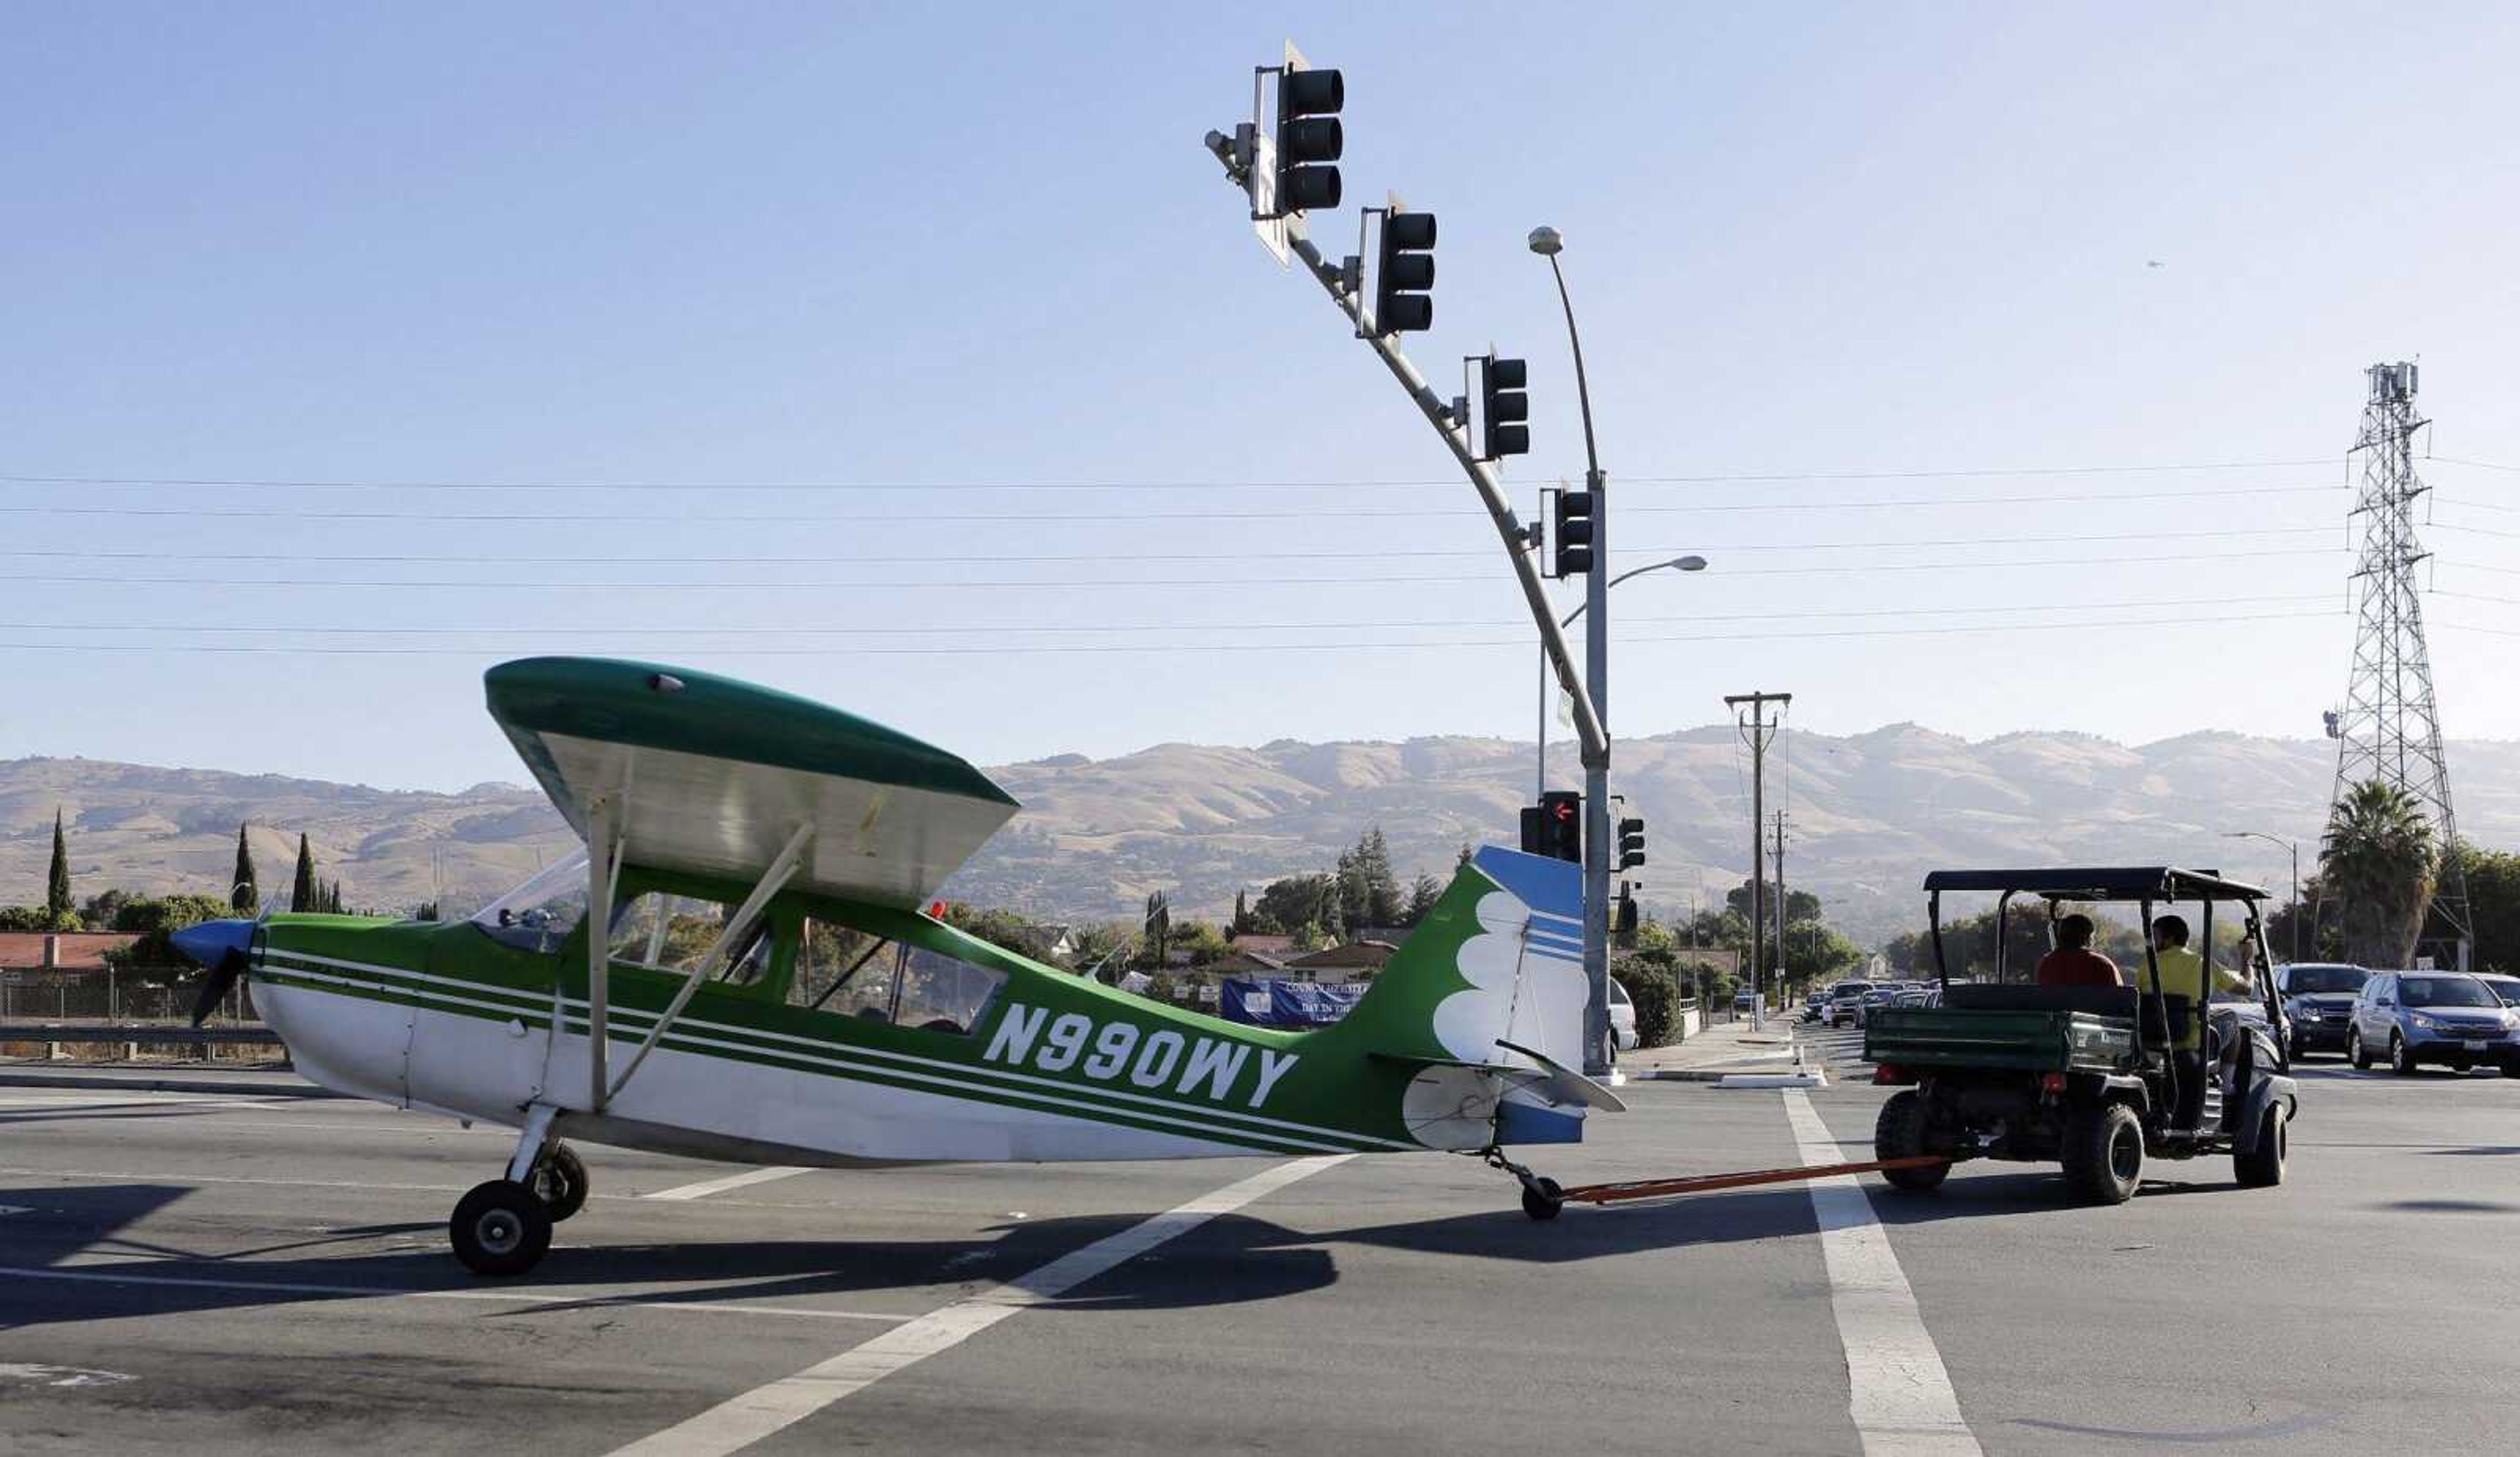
{"points": [[2413, 1018]]}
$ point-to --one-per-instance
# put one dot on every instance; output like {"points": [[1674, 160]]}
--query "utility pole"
{"points": [[1784, 908], [2390, 729], [1758, 729]]}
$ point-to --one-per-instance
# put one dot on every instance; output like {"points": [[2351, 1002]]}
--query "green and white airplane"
{"points": [[768, 990]]}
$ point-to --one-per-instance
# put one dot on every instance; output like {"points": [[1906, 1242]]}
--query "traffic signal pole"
{"points": [[1456, 438]]}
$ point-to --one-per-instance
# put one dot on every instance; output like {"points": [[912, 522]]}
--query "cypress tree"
{"points": [[57, 883], [301, 895], [243, 895]]}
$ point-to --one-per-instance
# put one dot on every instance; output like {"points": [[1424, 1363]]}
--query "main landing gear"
{"points": [[1542, 1197], [504, 1227]]}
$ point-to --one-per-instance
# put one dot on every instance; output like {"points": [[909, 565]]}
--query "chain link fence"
{"points": [[105, 1014]]}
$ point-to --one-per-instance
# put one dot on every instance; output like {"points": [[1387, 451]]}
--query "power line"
{"points": [[1756, 477], [196, 513], [1106, 584], [1523, 643], [474, 559], [1351, 625]]}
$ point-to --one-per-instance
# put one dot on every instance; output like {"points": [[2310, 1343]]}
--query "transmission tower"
{"points": [[2389, 729]]}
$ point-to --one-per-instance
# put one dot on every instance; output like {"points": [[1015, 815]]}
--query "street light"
{"points": [[2292, 847], [1691, 562], [1599, 848]]}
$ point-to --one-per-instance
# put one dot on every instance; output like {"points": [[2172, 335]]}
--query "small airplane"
{"points": [[767, 989]]}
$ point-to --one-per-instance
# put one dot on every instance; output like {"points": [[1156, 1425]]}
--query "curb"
{"points": [[98, 1082]]}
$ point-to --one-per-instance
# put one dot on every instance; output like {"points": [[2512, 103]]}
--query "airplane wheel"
{"points": [[560, 1182], [499, 1228], [1541, 1198]]}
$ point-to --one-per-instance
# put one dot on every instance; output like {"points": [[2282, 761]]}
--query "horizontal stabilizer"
{"points": [[1565, 1085]]}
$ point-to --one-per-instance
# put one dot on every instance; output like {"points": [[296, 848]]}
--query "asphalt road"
{"points": [[210, 1274]]}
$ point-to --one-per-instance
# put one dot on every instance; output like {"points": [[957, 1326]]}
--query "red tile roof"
{"points": [[79, 951]]}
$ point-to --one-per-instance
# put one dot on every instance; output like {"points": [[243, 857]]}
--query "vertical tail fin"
{"points": [[1499, 959]]}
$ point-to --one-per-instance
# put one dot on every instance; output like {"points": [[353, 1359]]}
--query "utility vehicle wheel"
{"points": [[1899, 1133], [2356, 1053], [2264, 1168], [2401, 1058], [2104, 1154], [1541, 1198], [560, 1182], [499, 1228]]}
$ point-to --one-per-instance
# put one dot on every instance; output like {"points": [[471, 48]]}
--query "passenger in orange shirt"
{"points": [[2074, 963]]}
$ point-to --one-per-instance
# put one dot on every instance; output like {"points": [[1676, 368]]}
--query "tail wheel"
{"points": [[2104, 1154], [499, 1228], [1541, 1198], [559, 1181], [1900, 1132]]}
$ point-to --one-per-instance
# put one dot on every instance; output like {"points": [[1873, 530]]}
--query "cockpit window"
{"points": [[538, 915], [851, 974], [673, 932]]}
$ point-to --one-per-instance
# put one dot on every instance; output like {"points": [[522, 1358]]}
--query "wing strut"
{"points": [[604, 881], [729, 936]]}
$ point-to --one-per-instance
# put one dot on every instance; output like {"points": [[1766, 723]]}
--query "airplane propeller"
{"points": [[218, 946]]}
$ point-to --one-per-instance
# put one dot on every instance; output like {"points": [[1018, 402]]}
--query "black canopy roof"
{"points": [[2100, 883]]}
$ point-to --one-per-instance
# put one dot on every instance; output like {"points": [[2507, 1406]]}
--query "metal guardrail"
{"points": [[157, 1034]]}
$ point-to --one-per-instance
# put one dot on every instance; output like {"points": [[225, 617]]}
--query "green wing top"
{"points": [[712, 776]]}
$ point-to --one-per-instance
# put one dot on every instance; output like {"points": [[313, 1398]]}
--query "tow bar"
{"points": [[1621, 1193]]}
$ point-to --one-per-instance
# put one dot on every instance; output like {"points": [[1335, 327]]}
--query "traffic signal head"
{"points": [[1574, 532], [1503, 407], [1632, 844], [1561, 825], [1309, 137], [1404, 272]]}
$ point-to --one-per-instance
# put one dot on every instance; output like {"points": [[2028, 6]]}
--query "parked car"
{"points": [[2413, 1018], [1744, 1003], [1843, 1000], [2505, 988], [2319, 1002], [1813, 1005], [1623, 1019]]}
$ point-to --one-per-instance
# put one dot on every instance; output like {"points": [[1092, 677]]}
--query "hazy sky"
{"points": [[1079, 469]]}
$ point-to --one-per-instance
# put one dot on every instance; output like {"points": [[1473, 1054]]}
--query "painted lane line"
{"points": [[734, 1424], [708, 1187], [1898, 1392], [589, 1301]]}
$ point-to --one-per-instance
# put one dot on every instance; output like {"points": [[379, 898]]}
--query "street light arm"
{"points": [[1583, 389]]}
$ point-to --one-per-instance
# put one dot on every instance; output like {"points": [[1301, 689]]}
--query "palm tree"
{"points": [[2378, 857]]}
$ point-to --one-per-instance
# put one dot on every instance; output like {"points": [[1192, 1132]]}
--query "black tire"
{"points": [[1541, 1198], [2264, 1166], [2355, 1052], [559, 1180], [2104, 1154], [1899, 1133], [501, 1228], [2401, 1058], [2511, 1070]]}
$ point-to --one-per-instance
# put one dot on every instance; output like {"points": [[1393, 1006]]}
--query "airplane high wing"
{"points": [[697, 773]]}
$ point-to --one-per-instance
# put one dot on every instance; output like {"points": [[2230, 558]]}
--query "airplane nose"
{"points": [[211, 942]]}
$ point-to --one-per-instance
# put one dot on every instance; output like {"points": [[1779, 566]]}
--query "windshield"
{"points": [[2445, 991], [538, 915], [1850, 989], [2505, 989], [2302, 979]]}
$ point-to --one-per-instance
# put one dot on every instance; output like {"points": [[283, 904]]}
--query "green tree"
{"points": [[1423, 892], [1242, 921], [1298, 900], [1156, 929], [244, 896], [301, 892], [2378, 858], [57, 882], [2492, 905], [155, 921], [1657, 985]]}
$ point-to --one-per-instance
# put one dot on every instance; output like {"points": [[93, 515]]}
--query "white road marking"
{"points": [[60, 1376], [734, 1424], [706, 1187], [587, 1298], [1897, 1391]]}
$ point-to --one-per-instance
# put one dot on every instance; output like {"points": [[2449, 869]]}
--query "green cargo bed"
{"points": [[1993, 1040]]}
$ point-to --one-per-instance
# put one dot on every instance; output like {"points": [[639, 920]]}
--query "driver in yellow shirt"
{"points": [[2181, 973]]}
